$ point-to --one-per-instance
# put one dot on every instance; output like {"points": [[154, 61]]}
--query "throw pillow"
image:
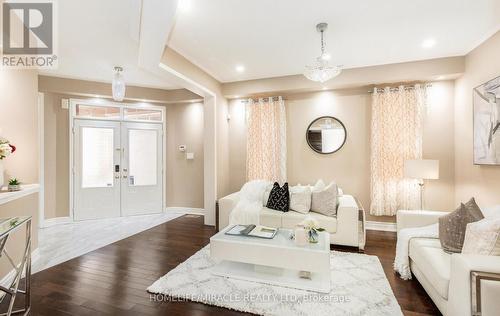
{"points": [[325, 201], [492, 212], [319, 186], [300, 199], [452, 227], [483, 238], [279, 198], [265, 196]]}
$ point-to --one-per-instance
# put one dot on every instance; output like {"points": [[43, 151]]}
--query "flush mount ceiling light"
{"points": [[118, 86], [429, 43], [240, 68], [320, 70]]}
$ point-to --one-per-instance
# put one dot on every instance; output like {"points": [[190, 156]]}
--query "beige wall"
{"points": [[350, 167], [203, 83], [185, 177], [19, 124], [482, 182], [56, 157], [184, 185]]}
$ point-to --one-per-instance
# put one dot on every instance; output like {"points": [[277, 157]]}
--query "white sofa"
{"points": [[345, 229], [447, 278]]}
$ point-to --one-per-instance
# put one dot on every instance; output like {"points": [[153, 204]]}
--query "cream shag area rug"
{"points": [[359, 287]]}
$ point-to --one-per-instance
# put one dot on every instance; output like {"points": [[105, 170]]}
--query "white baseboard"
{"points": [[56, 221], [9, 277], [382, 226], [185, 210]]}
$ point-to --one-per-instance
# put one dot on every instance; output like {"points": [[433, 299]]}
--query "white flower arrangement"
{"points": [[6, 148], [311, 225]]}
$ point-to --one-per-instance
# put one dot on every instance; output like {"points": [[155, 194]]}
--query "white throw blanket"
{"points": [[402, 260], [249, 205]]}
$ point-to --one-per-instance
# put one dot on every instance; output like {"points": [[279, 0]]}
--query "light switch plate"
{"points": [[189, 156]]}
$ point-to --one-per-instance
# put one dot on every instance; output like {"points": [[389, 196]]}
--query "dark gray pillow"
{"points": [[452, 226]]}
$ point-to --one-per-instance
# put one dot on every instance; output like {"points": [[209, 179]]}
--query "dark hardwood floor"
{"points": [[113, 280]]}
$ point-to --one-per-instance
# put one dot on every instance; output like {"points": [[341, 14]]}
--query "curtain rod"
{"points": [[396, 88], [268, 99]]}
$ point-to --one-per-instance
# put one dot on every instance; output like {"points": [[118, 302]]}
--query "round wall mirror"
{"points": [[326, 135]]}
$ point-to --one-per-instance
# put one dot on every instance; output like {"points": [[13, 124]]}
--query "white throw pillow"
{"points": [[300, 199], [482, 237], [491, 212], [325, 201], [319, 186], [265, 196]]}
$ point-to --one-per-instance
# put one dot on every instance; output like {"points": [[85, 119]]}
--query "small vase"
{"points": [[301, 236], [1, 173], [14, 187], [313, 236]]}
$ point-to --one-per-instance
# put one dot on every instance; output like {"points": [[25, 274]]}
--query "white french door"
{"points": [[118, 169], [142, 179], [96, 181]]}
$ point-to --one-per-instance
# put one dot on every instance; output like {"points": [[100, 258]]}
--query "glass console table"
{"points": [[7, 227]]}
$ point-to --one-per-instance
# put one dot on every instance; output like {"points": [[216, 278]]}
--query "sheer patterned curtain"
{"points": [[396, 136], [266, 140]]}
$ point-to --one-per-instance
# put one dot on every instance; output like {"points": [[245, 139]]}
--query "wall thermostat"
{"points": [[182, 148]]}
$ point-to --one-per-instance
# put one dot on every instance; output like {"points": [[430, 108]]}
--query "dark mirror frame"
{"points": [[325, 117]]}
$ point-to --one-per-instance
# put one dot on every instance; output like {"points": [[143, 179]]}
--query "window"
{"points": [[143, 157], [103, 112], [135, 114], [97, 157]]}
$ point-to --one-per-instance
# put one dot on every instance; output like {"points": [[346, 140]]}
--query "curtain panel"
{"points": [[266, 140], [396, 136]]}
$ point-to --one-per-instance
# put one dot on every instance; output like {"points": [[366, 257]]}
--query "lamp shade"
{"points": [[422, 169]]}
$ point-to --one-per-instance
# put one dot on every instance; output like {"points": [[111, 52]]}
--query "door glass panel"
{"points": [[103, 112], [97, 157], [142, 114], [143, 157]]}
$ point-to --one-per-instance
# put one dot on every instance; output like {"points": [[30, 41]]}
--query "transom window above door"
{"points": [[114, 111]]}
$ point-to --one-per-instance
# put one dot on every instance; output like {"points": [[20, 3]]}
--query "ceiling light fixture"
{"points": [[240, 68], [118, 85], [320, 70], [184, 5], [428, 43]]}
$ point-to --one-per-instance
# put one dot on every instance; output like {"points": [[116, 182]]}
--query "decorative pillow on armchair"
{"points": [[325, 201], [452, 227], [483, 238], [279, 198]]}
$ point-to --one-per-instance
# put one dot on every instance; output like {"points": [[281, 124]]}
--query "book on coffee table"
{"points": [[252, 231]]}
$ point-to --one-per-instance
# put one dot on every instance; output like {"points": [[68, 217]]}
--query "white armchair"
{"points": [[473, 281]]}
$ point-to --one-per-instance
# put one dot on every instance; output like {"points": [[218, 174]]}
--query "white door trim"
{"points": [[41, 159]]}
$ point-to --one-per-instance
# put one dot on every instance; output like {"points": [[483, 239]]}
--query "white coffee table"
{"points": [[276, 261]]}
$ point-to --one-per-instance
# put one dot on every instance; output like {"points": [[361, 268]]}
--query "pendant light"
{"points": [[320, 70], [118, 86]]}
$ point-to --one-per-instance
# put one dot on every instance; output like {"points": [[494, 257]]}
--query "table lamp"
{"points": [[421, 169]]}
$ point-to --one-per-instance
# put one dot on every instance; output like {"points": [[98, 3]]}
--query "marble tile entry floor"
{"points": [[60, 243]]}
